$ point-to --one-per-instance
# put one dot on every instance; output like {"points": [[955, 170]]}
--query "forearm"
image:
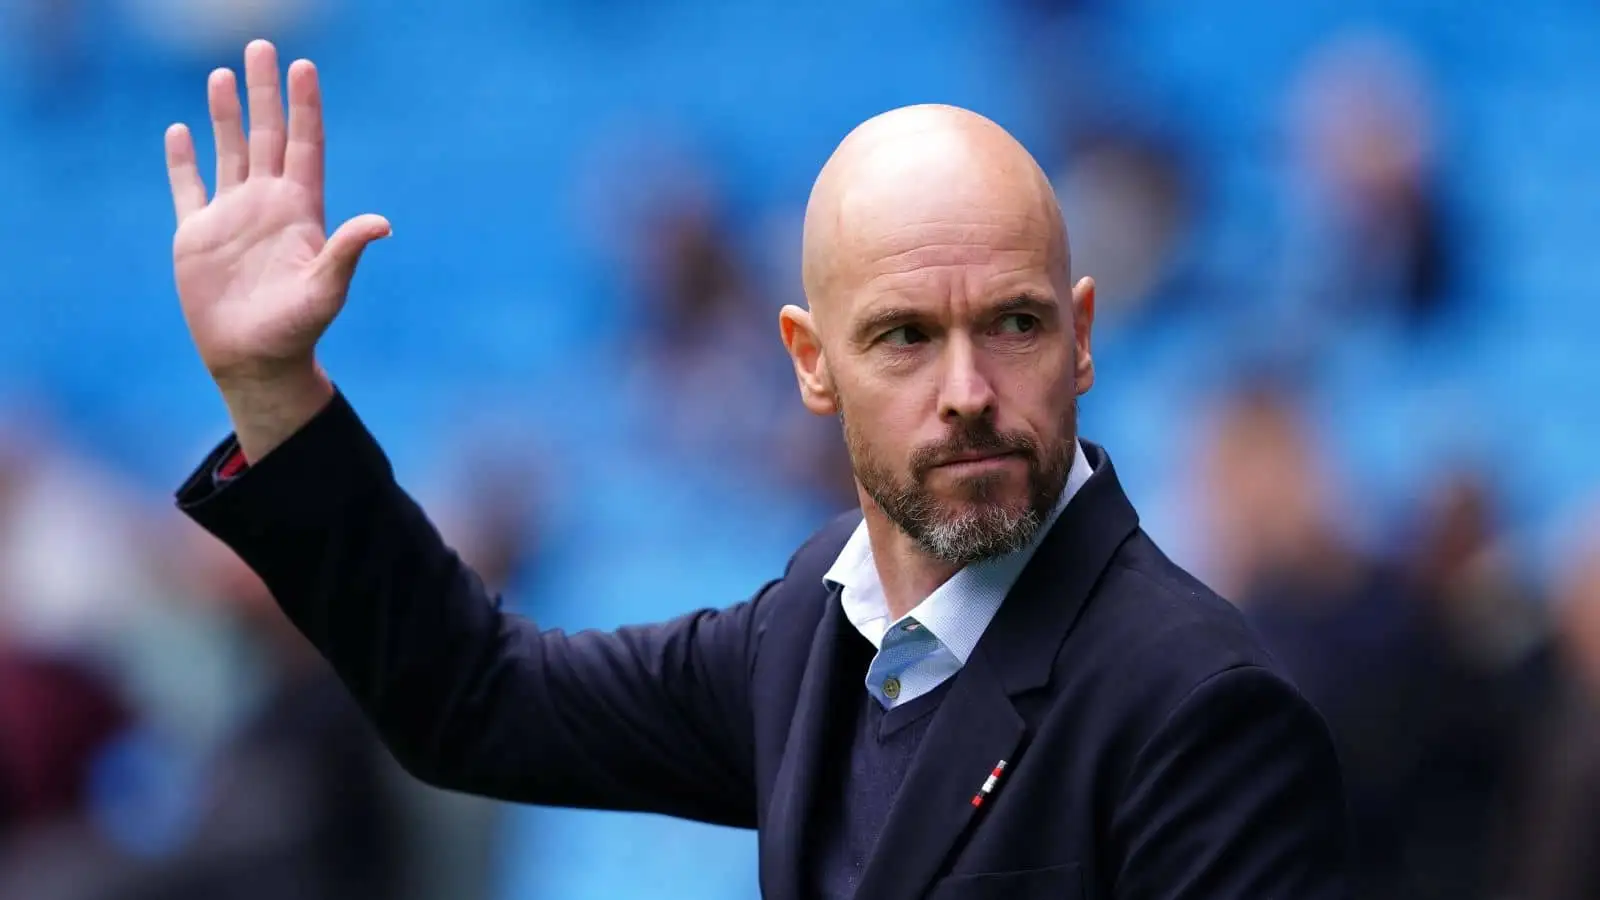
{"points": [[354, 565]]}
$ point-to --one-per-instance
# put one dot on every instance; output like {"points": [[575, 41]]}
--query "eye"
{"points": [[1016, 323], [904, 336]]}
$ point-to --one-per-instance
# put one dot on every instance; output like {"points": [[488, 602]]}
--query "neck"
{"points": [[908, 575]]}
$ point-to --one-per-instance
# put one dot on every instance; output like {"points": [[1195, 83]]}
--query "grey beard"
{"points": [[982, 532], [985, 533]]}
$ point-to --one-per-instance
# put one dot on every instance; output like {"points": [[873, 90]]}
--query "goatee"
{"points": [[979, 525]]}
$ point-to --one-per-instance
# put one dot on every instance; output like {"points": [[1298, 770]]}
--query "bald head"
{"points": [[923, 177]]}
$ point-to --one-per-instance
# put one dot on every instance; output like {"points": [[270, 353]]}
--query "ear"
{"points": [[1082, 324], [800, 338]]}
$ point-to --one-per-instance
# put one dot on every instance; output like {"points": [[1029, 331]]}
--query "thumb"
{"points": [[339, 255]]}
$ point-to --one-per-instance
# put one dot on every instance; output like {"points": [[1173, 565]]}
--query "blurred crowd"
{"points": [[164, 734]]}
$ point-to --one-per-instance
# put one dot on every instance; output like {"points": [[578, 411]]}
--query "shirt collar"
{"points": [[959, 611]]}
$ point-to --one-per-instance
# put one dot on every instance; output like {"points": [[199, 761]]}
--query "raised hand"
{"points": [[257, 276]]}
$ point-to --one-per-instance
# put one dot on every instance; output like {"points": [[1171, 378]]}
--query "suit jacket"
{"points": [[1154, 749]]}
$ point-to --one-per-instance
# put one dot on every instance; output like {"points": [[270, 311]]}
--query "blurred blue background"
{"points": [[1347, 275]]}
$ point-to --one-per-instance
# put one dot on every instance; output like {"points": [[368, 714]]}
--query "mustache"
{"points": [[973, 437]]}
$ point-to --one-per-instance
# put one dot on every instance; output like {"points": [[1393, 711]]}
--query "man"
{"points": [[986, 683]]}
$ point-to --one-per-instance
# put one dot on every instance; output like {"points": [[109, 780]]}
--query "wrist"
{"points": [[268, 410]]}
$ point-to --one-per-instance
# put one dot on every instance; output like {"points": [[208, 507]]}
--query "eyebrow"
{"points": [[891, 317], [1024, 301], [881, 320]]}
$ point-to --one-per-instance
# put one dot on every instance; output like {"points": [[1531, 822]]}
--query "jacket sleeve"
{"points": [[1237, 796], [468, 697]]}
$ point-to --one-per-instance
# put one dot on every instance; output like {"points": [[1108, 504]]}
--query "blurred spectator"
{"points": [[1134, 197], [707, 337], [299, 801], [57, 509], [1550, 839], [1477, 672], [1462, 571], [697, 282], [1424, 663], [1370, 233], [212, 29], [493, 517], [57, 708], [1336, 618], [1267, 495], [60, 709]]}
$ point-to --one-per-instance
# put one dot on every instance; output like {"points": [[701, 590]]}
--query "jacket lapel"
{"points": [[974, 728], [1038, 614], [828, 686]]}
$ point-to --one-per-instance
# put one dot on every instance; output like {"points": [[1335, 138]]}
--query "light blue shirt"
{"points": [[927, 645]]}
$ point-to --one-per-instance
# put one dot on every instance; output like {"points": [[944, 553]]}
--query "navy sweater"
{"points": [[863, 787]]}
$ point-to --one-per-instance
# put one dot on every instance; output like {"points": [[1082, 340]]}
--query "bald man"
{"points": [[987, 682]]}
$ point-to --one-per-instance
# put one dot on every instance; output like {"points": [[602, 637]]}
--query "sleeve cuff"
{"points": [[232, 466], [321, 466]]}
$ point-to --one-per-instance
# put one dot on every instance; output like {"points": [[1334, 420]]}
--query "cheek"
{"points": [[900, 419], [1038, 401], [883, 426]]}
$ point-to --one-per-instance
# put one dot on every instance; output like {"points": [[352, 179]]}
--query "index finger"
{"points": [[303, 159]]}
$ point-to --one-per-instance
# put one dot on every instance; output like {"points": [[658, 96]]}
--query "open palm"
{"points": [[258, 279]]}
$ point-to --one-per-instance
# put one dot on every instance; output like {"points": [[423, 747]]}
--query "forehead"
{"points": [[940, 214], [945, 252]]}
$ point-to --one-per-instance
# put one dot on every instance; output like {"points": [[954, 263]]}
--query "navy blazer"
{"points": [[1154, 749]]}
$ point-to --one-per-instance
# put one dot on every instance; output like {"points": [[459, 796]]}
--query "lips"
{"points": [[975, 457]]}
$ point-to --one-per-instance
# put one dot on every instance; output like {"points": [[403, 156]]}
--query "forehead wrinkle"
{"points": [[915, 285], [1003, 231], [932, 256], [936, 257]]}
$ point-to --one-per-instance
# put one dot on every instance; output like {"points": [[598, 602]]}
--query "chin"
{"points": [[968, 507], [977, 533]]}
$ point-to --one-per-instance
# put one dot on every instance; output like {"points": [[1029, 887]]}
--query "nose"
{"points": [[965, 393]]}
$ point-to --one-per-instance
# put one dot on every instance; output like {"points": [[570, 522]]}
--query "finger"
{"points": [[266, 108], [227, 126], [188, 188], [339, 256], [303, 161]]}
